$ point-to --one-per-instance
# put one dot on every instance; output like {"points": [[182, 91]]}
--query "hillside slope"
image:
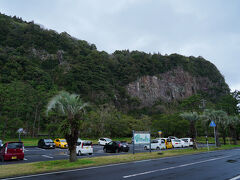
{"points": [[35, 63]]}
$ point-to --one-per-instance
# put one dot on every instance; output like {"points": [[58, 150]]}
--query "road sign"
{"points": [[212, 124], [159, 132]]}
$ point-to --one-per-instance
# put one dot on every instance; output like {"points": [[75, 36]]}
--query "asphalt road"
{"points": [[35, 154], [217, 165]]}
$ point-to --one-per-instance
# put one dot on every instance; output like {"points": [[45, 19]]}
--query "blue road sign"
{"points": [[212, 124]]}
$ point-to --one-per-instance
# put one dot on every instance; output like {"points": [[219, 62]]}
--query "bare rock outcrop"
{"points": [[173, 85]]}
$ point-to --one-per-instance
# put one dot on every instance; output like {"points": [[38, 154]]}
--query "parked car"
{"points": [[84, 147], [61, 143], [156, 144], [168, 143], [124, 146], [104, 141], [176, 143], [12, 150], [115, 146], [184, 143], [173, 137], [189, 140], [46, 143]]}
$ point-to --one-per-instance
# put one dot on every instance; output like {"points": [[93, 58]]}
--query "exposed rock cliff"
{"points": [[172, 85]]}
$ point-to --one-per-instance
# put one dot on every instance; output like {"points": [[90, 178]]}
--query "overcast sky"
{"points": [[207, 28]]}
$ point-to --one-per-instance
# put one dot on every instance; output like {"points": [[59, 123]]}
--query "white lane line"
{"points": [[47, 156], [235, 178], [173, 167], [25, 159], [26, 149]]}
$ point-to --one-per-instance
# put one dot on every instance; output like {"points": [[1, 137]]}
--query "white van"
{"points": [[156, 144], [84, 147]]}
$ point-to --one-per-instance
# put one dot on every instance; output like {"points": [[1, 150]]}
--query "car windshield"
{"points": [[107, 139], [48, 140], [62, 140], [87, 143], [14, 145]]}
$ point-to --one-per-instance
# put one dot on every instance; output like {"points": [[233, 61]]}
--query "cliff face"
{"points": [[172, 85]]}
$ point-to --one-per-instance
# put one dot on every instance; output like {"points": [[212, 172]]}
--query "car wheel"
{"points": [[90, 153], [104, 149], [145, 147], [158, 148], [182, 146], [79, 153]]}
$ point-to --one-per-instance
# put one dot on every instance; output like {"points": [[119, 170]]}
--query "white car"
{"points": [[104, 141], [184, 143], [84, 147], [188, 140], [156, 144], [176, 143]]}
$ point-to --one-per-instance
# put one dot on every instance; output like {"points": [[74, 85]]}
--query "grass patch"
{"points": [[49, 166]]}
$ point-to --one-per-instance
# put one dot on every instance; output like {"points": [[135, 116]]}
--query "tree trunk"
{"points": [[218, 144], [72, 138], [73, 154], [193, 134], [34, 123]]}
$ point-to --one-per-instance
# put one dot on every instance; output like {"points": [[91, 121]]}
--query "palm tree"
{"points": [[219, 117], [192, 117], [232, 123], [72, 108]]}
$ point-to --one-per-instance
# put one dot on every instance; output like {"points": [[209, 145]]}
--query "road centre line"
{"points": [[235, 178], [173, 167], [47, 156]]}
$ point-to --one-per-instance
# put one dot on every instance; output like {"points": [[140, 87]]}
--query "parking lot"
{"points": [[34, 154]]}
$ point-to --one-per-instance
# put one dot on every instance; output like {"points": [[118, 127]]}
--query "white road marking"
{"points": [[47, 156], [25, 159], [235, 178], [26, 149], [173, 167]]}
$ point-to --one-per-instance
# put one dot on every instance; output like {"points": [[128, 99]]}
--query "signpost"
{"points": [[212, 124], [19, 131], [141, 137]]}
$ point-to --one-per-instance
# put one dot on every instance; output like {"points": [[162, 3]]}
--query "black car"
{"points": [[116, 146], [46, 143], [124, 146]]}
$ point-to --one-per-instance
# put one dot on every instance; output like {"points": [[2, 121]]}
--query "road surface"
{"points": [[217, 165]]}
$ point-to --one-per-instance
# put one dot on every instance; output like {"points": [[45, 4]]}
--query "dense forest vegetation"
{"points": [[36, 63]]}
